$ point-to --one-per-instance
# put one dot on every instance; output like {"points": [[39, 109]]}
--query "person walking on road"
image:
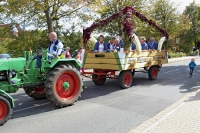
{"points": [[192, 65]]}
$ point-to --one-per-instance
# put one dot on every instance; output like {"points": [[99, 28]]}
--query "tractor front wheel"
{"points": [[63, 85], [35, 92], [5, 110], [125, 79]]}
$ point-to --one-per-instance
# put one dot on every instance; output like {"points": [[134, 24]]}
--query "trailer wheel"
{"points": [[100, 81], [125, 79], [35, 92], [153, 72], [63, 85], [5, 110]]}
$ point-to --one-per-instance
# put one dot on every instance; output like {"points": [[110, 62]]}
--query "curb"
{"points": [[152, 122]]}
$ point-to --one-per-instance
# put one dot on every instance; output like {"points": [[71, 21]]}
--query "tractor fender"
{"points": [[6, 95], [65, 61]]}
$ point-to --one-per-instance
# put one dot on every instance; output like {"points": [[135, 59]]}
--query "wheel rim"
{"points": [[127, 79], [72, 79], [155, 72], [39, 90], [3, 110]]}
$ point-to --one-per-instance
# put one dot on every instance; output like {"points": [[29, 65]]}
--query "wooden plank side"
{"points": [[130, 54], [128, 60], [124, 66], [112, 61], [102, 55], [102, 66], [103, 61], [145, 53]]}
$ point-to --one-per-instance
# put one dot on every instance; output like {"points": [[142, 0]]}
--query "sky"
{"points": [[181, 4]]}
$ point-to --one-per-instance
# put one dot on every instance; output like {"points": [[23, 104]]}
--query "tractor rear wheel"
{"points": [[153, 72], [5, 110], [63, 85], [35, 92], [125, 79]]}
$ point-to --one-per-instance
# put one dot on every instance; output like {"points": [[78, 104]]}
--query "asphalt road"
{"points": [[107, 108]]}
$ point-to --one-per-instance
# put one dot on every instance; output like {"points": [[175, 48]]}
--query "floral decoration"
{"points": [[126, 25]]}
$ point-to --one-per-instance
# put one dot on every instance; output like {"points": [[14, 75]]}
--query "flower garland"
{"points": [[127, 27]]}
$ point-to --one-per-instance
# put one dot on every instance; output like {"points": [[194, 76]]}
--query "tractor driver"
{"points": [[55, 48]]}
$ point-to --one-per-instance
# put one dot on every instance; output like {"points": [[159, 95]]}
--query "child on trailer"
{"points": [[192, 65], [67, 54]]}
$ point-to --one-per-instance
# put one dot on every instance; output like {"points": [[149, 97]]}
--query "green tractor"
{"points": [[57, 79]]}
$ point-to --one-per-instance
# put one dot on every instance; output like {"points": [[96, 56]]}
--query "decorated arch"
{"points": [[126, 24]]}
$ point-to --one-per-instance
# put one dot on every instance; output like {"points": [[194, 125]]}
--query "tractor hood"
{"points": [[12, 63]]}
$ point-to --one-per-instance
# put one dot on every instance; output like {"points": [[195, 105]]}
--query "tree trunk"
{"points": [[49, 21]]}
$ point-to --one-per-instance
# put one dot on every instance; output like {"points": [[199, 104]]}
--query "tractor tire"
{"points": [[125, 79], [63, 85], [98, 82], [153, 72], [5, 110], [35, 92]]}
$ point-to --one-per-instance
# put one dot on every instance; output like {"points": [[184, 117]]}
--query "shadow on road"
{"points": [[26, 106], [196, 97]]}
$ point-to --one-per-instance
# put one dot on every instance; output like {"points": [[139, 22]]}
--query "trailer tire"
{"points": [[125, 79], [5, 110], [153, 72], [35, 92], [100, 81], [63, 85]]}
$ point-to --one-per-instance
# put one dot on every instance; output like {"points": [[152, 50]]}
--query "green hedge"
{"points": [[175, 55]]}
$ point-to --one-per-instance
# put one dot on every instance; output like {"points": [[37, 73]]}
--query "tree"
{"points": [[193, 12], [72, 38], [45, 13], [183, 26], [164, 13], [28, 40]]}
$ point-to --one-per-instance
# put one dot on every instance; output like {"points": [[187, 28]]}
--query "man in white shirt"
{"points": [[56, 46]]}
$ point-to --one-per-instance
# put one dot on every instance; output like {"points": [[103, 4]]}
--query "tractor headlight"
{"points": [[13, 73]]}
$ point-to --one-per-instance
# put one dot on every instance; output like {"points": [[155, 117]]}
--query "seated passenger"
{"points": [[111, 45], [144, 46], [117, 44], [121, 42], [152, 44], [100, 46], [67, 54], [133, 46]]}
